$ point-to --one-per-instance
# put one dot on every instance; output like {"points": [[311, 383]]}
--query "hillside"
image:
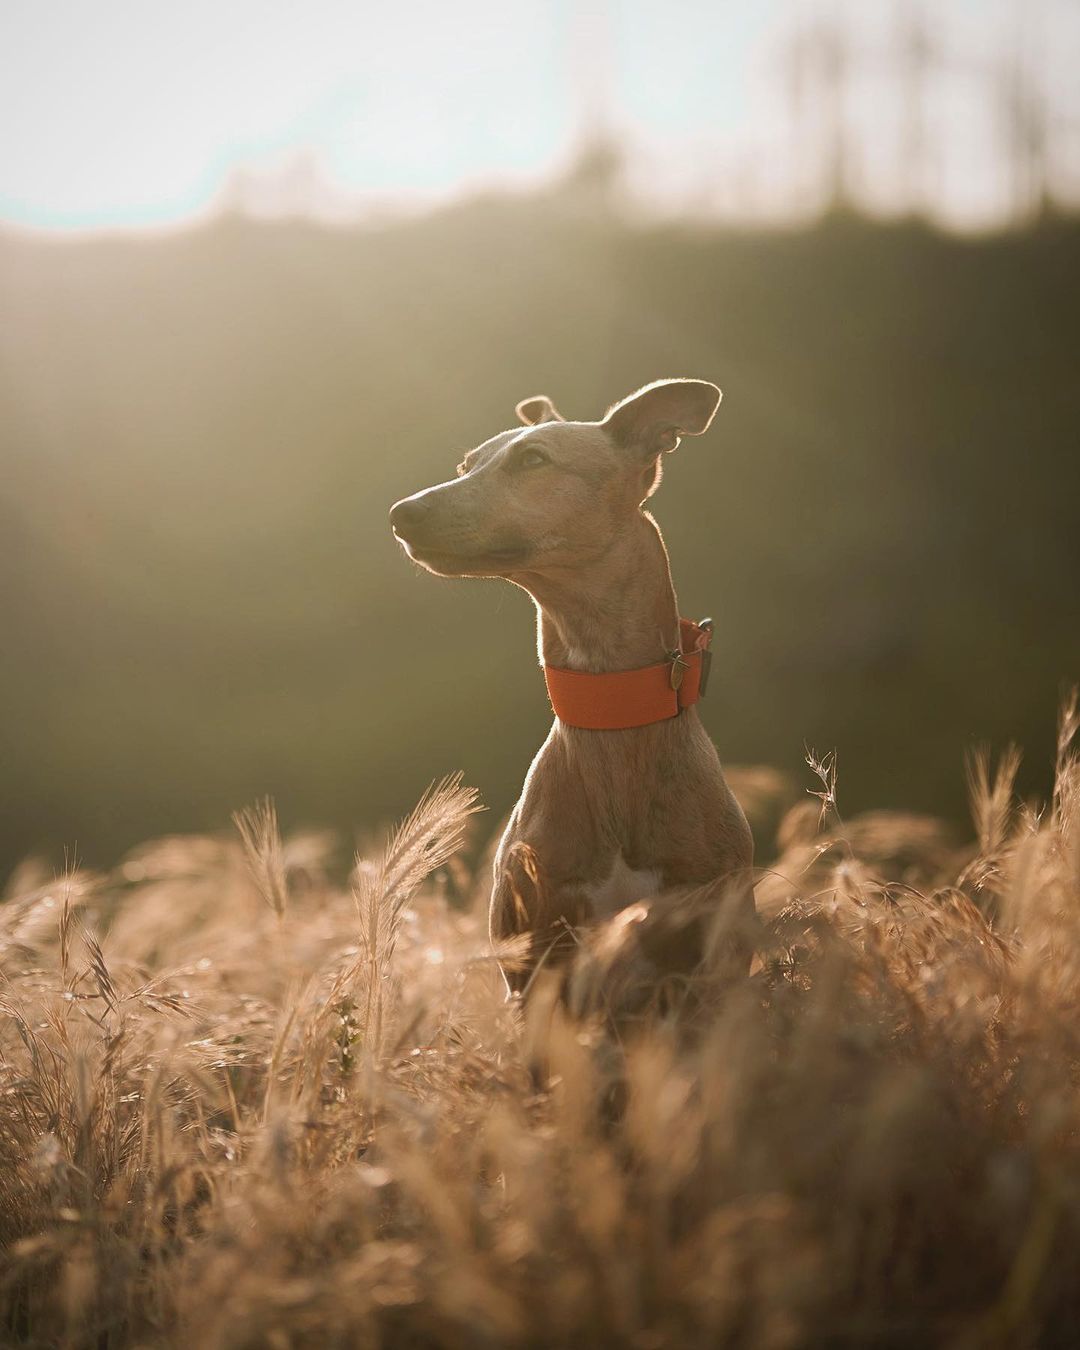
{"points": [[201, 434]]}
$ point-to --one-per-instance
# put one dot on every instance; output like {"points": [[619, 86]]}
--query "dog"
{"points": [[625, 811]]}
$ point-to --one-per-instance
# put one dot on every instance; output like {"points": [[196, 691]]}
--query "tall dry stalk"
{"points": [[429, 835], [258, 829]]}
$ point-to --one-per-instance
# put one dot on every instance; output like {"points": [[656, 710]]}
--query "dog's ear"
{"points": [[538, 409], [652, 420]]}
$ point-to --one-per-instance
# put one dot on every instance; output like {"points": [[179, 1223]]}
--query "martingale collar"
{"points": [[619, 699]]}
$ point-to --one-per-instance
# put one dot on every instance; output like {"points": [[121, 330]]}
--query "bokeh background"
{"points": [[264, 268]]}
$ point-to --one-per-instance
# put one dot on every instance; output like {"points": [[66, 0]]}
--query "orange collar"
{"points": [[619, 699]]}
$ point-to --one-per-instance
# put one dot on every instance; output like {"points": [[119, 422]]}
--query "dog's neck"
{"points": [[618, 613]]}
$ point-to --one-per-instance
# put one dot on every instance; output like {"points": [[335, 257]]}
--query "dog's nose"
{"points": [[408, 513]]}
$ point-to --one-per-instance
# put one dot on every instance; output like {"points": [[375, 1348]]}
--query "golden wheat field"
{"points": [[251, 1098]]}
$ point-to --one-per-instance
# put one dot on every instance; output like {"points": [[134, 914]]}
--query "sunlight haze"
{"points": [[128, 114]]}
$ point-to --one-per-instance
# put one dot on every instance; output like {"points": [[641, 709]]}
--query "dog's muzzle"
{"points": [[408, 515]]}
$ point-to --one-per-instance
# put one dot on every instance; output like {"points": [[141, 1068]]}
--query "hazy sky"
{"points": [[131, 112]]}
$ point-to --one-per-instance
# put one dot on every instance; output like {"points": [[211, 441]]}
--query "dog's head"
{"points": [[552, 493]]}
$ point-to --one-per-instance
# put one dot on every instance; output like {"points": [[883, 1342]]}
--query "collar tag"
{"points": [[678, 667]]}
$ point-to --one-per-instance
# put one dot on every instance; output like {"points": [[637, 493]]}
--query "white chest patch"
{"points": [[621, 887]]}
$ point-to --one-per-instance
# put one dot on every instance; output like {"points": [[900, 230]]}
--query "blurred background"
{"points": [[265, 268]]}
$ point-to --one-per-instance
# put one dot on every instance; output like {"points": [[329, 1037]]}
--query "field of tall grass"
{"points": [[250, 1097]]}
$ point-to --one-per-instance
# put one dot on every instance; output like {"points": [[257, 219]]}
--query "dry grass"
{"points": [[243, 1105]]}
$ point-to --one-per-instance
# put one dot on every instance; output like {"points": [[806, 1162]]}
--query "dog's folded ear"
{"points": [[538, 409], [653, 419]]}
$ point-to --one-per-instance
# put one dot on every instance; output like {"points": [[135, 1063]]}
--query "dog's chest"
{"points": [[621, 887]]}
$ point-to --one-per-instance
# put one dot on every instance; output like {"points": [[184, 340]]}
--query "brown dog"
{"points": [[607, 817]]}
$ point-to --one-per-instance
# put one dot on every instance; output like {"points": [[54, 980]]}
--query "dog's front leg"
{"points": [[525, 902]]}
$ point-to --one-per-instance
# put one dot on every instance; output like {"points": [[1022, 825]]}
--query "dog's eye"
{"points": [[532, 458]]}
